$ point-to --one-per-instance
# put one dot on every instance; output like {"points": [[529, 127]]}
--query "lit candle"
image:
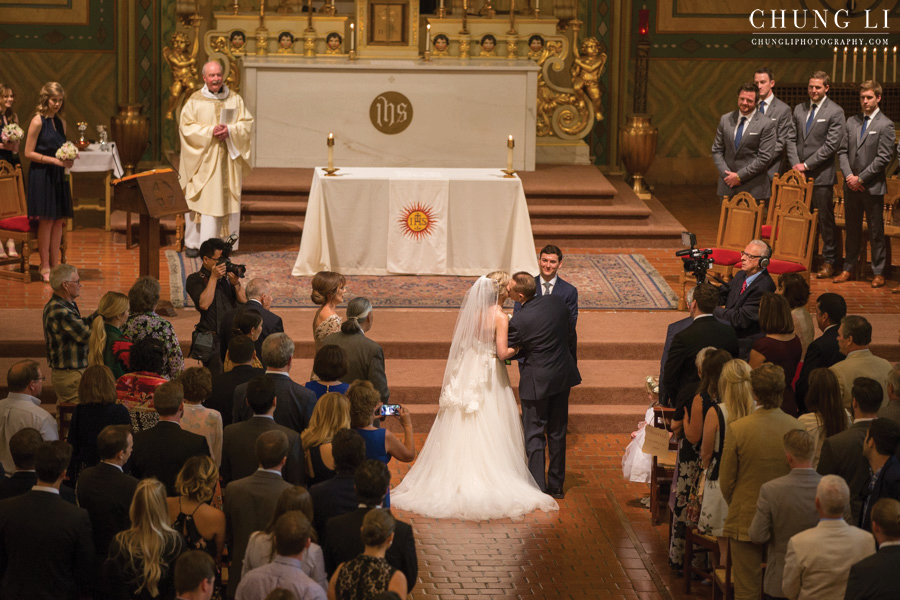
{"points": [[330, 151], [537, 5], [510, 144], [854, 65], [884, 69], [442, 4], [895, 64], [428, 38], [874, 62], [844, 73], [834, 66], [352, 37], [864, 65]]}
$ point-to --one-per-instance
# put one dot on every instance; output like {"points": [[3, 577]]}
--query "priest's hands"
{"points": [[220, 132]]}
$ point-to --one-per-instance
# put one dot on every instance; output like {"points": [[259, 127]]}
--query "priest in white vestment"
{"points": [[214, 129]]}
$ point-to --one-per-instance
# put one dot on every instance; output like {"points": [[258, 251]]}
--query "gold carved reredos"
{"points": [[558, 111], [218, 48]]}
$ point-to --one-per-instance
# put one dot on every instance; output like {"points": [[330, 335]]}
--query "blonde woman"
{"points": [[142, 559], [49, 198], [735, 402], [331, 414], [327, 292], [108, 345]]}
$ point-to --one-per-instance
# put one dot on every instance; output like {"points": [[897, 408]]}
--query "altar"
{"points": [[391, 112]]}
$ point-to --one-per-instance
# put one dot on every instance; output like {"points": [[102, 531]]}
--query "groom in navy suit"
{"points": [[542, 332]]}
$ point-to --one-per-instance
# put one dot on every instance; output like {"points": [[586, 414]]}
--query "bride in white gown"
{"points": [[473, 463]]}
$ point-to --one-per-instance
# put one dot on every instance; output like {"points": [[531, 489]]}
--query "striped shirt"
{"points": [[66, 334]]}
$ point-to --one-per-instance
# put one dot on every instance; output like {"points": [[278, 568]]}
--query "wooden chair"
{"points": [[723, 587], [739, 222], [14, 223], [662, 469], [64, 413], [786, 188], [794, 246], [891, 216], [706, 543]]}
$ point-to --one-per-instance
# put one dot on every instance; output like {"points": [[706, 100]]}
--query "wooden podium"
{"points": [[153, 195]]}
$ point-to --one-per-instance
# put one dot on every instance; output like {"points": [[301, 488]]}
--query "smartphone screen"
{"points": [[389, 409]]}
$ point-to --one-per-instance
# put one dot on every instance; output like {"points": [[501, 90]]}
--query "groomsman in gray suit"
{"points": [[818, 130], [778, 111], [744, 147], [865, 152]]}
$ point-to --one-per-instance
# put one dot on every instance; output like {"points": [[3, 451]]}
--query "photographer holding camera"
{"points": [[215, 289]]}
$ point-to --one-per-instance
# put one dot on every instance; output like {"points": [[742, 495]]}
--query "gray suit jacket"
{"points": [[818, 147], [861, 363], [751, 158], [842, 455], [890, 410], [249, 504], [239, 450], [366, 360], [867, 158], [780, 113], [786, 506]]}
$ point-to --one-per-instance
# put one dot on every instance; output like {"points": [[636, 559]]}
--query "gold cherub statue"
{"points": [[184, 69], [586, 71]]}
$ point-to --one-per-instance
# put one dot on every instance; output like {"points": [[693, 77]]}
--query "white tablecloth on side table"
{"points": [[348, 221], [94, 160]]}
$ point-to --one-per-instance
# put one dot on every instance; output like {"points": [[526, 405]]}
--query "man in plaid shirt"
{"points": [[66, 333]]}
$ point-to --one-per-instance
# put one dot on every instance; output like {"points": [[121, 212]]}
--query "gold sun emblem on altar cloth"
{"points": [[417, 221]]}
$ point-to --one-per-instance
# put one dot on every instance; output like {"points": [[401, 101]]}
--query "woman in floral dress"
{"points": [[144, 322]]}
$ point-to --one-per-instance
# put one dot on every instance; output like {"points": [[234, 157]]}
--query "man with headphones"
{"points": [[741, 296]]}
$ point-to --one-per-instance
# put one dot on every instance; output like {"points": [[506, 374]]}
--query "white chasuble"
{"points": [[417, 226]]}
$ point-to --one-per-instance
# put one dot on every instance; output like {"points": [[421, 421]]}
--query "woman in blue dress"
{"points": [[9, 151], [49, 199]]}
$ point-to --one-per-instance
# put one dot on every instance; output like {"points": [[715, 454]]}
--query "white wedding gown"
{"points": [[473, 463]]}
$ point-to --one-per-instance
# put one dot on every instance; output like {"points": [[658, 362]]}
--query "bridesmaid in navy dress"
{"points": [[10, 150], [49, 200]]}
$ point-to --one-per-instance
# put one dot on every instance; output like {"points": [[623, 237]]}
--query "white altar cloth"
{"points": [[348, 220]]}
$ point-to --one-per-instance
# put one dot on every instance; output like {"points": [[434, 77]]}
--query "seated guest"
{"points": [[221, 398], [259, 298], [197, 384], [329, 367], [46, 542], [786, 506], [779, 345], [337, 495], [365, 357], [890, 409], [261, 548], [842, 454], [370, 570], [160, 452], [96, 409], [195, 576], [105, 490], [818, 560], [108, 345], [22, 447], [739, 299], [342, 540], [332, 413], [143, 297], [249, 323], [295, 402], [22, 408], [291, 543], [827, 416], [250, 501], [874, 578], [854, 337], [381, 444], [880, 450], [795, 290], [141, 559], [201, 525], [753, 455], [135, 389], [239, 440], [824, 350]]}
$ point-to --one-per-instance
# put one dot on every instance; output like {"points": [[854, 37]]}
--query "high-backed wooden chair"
{"points": [[794, 246], [792, 185], [14, 223], [723, 586], [891, 215]]}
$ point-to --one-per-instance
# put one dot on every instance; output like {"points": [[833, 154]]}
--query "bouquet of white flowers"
{"points": [[11, 133], [67, 151]]}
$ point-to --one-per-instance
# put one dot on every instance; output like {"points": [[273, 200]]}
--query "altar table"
{"points": [[347, 222]]}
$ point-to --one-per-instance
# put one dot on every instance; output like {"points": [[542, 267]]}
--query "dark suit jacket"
{"points": [[22, 481], [542, 329], [366, 359], [741, 311], [46, 550], [343, 543], [271, 323], [842, 455], [875, 577], [681, 376], [161, 452], [886, 486], [293, 408], [106, 493], [818, 147], [671, 331], [222, 396], [239, 450], [821, 352], [331, 498], [569, 293]]}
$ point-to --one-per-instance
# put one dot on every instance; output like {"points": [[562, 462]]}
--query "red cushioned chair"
{"points": [[794, 246], [14, 223], [786, 188]]}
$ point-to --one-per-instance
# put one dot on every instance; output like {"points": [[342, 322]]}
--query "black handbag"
{"points": [[203, 345]]}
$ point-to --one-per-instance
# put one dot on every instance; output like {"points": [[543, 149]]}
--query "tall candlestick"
{"points": [[442, 4], [844, 72], [352, 37], [854, 65], [512, 15], [330, 151], [834, 66], [864, 65], [895, 64], [510, 144], [884, 69], [309, 11], [428, 38], [874, 62]]}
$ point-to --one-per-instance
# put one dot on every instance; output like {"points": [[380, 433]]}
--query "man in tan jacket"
{"points": [[753, 455]]}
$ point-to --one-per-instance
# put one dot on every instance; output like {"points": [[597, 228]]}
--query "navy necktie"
{"points": [[762, 107], [740, 133], [812, 115], [863, 130]]}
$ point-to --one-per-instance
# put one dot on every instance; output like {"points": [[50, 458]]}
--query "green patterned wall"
{"points": [[597, 17]]}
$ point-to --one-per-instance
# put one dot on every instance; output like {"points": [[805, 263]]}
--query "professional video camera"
{"points": [[696, 261], [230, 267]]}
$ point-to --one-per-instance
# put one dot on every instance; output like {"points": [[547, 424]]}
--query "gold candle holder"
{"points": [[510, 172]]}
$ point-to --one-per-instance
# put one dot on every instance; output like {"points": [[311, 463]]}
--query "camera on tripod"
{"points": [[696, 261], [230, 267]]}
